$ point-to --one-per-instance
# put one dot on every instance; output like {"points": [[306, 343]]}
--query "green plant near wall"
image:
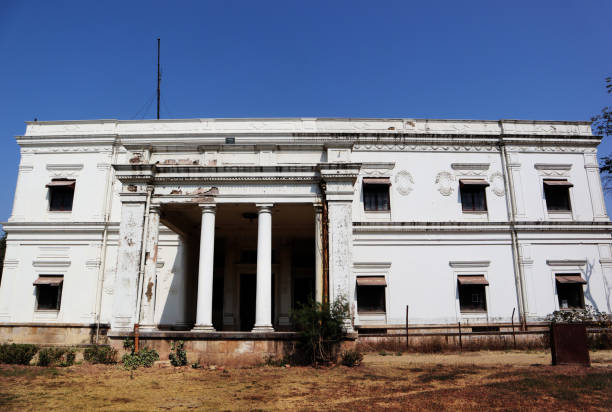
{"points": [[144, 357], [56, 357], [320, 328], [17, 353], [178, 355]]}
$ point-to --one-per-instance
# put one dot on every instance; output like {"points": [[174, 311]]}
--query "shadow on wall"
{"points": [[588, 273], [177, 286]]}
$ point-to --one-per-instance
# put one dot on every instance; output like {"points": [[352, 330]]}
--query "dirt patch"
{"points": [[407, 382]]}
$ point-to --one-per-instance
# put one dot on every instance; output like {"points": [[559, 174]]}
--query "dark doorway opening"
{"points": [[247, 301]]}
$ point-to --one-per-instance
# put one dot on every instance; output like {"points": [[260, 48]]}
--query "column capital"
{"points": [[207, 207], [264, 207], [154, 208]]}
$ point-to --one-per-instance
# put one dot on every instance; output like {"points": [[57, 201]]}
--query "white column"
{"points": [[263, 297], [318, 254], [205, 273], [147, 305]]}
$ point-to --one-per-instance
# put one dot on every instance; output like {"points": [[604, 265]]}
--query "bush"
{"points": [[100, 354], [351, 358], [320, 329], [274, 361], [56, 357], [145, 357], [178, 355], [17, 353]]}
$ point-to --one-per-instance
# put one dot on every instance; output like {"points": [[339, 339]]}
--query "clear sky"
{"points": [[65, 60]]}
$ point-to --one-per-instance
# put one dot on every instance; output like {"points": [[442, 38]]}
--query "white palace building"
{"points": [[211, 226]]}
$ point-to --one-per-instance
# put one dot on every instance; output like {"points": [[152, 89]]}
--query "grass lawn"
{"points": [[469, 381]]}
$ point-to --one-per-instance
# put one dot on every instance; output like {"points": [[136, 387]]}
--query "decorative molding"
{"points": [[469, 263], [51, 263], [404, 182], [470, 166], [424, 148], [92, 263], [371, 267], [71, 167], [445, 182], [496, 180], [377, 169], [566, 262], [553, 169], [553, 166], [26, 168], [11, 263]]}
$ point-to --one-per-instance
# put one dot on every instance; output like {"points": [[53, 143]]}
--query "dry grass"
{"points": [[474, 381]]}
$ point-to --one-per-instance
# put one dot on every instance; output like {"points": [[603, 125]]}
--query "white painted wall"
{"points": [[424, 160]]}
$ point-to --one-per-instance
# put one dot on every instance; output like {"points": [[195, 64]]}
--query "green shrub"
{"points": [[17, 353], [178, 355], [68, 357], [100, 354], [320, 329], [56, 357], [145, 357], [351, 358], [274, 361]]}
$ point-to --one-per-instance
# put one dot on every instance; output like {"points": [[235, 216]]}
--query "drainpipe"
{"points": [[325, 242], [511, 209], [143, 254], [108, 206]]}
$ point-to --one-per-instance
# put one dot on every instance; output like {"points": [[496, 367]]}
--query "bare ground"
{"points": [[461, 382]]}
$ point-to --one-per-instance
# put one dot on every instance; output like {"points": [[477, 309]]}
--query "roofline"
{"points": [[371, 119]]}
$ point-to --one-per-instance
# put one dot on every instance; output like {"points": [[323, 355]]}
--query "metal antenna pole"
{"points": [[158, 79]]}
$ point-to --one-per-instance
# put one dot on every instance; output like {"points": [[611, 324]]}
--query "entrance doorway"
{"points": [[247, 301]]}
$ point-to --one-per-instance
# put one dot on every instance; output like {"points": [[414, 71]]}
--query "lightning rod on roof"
{"points": [[158, 79]]}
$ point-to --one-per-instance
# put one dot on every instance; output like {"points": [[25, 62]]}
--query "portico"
{"points": [[248, 260]]}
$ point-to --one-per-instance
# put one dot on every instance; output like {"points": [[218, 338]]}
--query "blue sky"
{"points": [[64, 60]]}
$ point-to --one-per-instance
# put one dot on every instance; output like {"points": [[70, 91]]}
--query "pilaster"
{"points": [[125, 289], [147, 306], [595, 191]]}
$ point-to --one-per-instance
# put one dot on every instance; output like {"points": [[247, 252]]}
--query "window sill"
{"points": [[570, 309], [46, 314], [560, 215]]}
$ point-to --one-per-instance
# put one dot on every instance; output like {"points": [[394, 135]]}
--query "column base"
{"points": [[262, 329], [147, 328], [203, 328]]}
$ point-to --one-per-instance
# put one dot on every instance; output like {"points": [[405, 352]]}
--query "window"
{"points": [[473, 197], [472, 296], [371, 294], [569, 290], [557, 197], [61, 193], [48, 292], [376, 194]]}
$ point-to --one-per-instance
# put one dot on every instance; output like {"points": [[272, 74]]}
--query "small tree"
{"points": [[602, 125], [321, 328]]}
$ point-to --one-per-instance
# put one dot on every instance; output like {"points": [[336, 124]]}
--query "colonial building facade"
{"points": [[222, 225]]}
